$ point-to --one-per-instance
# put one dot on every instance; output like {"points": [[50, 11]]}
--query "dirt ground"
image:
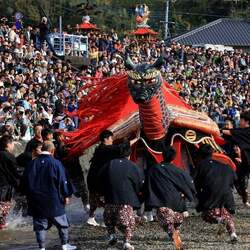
{"points": [[196, 235]]}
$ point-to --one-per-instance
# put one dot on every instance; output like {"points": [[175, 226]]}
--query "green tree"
{"points": [[117, 14]]}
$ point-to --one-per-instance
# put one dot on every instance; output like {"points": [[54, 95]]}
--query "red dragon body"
{"points": [[109, 105]]}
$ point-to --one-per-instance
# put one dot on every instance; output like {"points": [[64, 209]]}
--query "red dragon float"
{"points": [[141, 99]]}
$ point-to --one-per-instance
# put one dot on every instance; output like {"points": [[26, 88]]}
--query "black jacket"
{"points": [[44, 30], [30, 144], [168, 186], [71, 164], [23, 160], [9, 175], [241, 137], [121, 182], [102, 155], [214, 182]]}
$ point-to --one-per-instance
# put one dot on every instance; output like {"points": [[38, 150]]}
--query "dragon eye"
{"points": [[152, 80], [137, 84]]}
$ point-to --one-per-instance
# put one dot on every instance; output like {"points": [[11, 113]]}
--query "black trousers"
{"points": [[242, 185]]}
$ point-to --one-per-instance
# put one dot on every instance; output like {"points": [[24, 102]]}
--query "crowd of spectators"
{"points": [[36, 86], [212, 81]]}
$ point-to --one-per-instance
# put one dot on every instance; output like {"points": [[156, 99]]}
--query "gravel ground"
{"points": [[196, 234]]}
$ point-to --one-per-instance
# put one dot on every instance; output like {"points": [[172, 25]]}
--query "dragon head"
{"points": [[144, 79]]}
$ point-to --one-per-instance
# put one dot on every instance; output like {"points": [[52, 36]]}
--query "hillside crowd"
{"points": [[35, 85]]}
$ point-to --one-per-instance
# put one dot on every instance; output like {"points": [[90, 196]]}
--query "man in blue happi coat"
{"points": [[47, 190]]}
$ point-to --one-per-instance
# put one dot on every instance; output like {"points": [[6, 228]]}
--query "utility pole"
{"points": [[167, 33], [61, 34]]}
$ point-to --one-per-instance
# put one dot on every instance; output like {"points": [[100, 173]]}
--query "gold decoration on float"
{"points": [[190, 135]]}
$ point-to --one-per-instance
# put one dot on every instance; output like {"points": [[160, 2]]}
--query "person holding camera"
{"points": [[67, 124]]}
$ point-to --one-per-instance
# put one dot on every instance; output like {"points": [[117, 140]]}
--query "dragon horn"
{"points": [[129, 63], [158, 63]]}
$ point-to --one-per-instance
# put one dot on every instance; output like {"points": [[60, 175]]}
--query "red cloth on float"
{"points": [[142, 31], [108, 102], [87, 26]]}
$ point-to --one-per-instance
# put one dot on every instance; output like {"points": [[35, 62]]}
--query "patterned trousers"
{"points": [[4, 211], [169, 220], [220, 215], [121, 217], [95, 201]]}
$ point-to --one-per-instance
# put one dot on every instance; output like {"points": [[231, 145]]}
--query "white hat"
{"points": [[6, 104], [21, 109], [25, 86], [114, 61], [44, 19]]}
